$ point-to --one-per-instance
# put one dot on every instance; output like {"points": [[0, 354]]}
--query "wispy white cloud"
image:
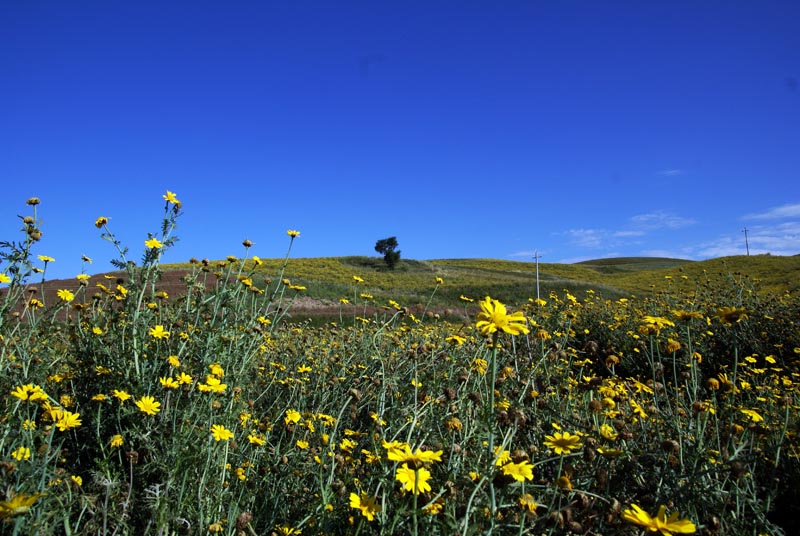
{"points": [[664, 234], [678, 253], [588, 238], [528, 254], [627, 234], [782, 239], [776, 213], [581, 258], [632, 234], [670, 172], [660, 219]]}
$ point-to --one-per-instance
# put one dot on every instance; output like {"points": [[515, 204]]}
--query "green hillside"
{"points": [[413, 282]]}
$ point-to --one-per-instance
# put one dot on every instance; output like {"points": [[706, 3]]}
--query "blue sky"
{"points": [[465, 129]]}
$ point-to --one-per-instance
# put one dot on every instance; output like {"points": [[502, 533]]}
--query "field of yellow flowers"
{"points": [[129, 411]]}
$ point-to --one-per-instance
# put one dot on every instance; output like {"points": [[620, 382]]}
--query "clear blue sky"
{"points": [[466, 129]]}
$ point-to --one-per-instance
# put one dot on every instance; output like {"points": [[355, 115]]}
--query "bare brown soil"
{"points": [[173, 283]]}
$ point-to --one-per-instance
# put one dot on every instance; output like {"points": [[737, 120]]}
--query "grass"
{"points": [[514, 282], [212, 409]]}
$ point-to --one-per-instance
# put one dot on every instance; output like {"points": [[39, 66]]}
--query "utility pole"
{"points": [[536, 258], [746, 242]]}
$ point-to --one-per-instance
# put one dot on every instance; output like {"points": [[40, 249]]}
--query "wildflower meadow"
{"points": [[129, 410]]}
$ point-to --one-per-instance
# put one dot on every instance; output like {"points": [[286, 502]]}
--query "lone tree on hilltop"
{"points": [[386, 247]]}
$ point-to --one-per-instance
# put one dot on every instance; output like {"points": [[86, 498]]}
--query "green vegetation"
{"points": [[388, 248], [514, 282], [210, 409]]}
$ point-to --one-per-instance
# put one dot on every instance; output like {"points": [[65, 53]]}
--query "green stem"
{"points": [[491, 422]]}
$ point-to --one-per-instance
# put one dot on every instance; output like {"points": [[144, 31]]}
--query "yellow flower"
{"points": [[434, 508], [153, 243], [754, 416], [148, 405], [4, 278], [65, 295], [21, 453], [415, 481], [527, 502], [347, 445], [562, 442], [480, 365], [292, 233], [494, 317], [402, 453], [456, 340], [292, 416], [184, 379], [221, 433], [730, 315], [121, 395], [100, 222], [357, 279], [367, 505], [30, 392], [212, 385], [169, 197], [502, 456], [45, 259], [19, 504], [255, 439], [370, 457], [609, 453], [66, 420], [117, 441], [608, 432], [637, 409], [285, 530], [168, 383], [453, 424], [654, 324], [662, 523], [520, 472], [685, 316], [77, 479], [158, 332]]}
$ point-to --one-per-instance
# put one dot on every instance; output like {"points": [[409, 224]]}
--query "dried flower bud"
{"points": [[243, 520], [670, 445]]}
